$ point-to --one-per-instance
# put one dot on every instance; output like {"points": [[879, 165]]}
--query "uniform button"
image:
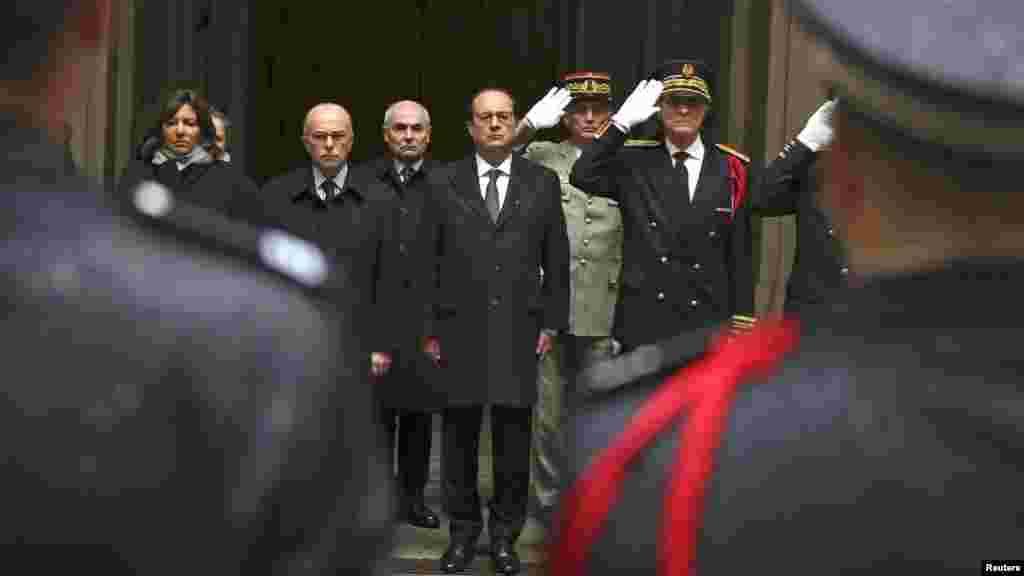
{"points": [[829, 231], [586, 242], [695, 267], [712, 234], [652, 224], [661, 296], [587, 220], [495, 301], [694, 303], [583, 261], [844, 270], [401, 249], [404, 210], [590, 201], [497, 267], [664, 259]]}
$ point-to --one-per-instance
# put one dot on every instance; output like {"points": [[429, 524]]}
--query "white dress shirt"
{"points": [[694, 159], [482, 168], [318, 180]]}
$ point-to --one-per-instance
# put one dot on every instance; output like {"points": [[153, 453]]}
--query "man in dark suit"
{"points": [[687, 258], [404, 175], [168, 375], [341, 209], [789, 185], [502, 295], [883, 433]]}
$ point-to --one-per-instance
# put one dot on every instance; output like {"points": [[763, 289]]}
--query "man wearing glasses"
{"points": [[498, 223]]}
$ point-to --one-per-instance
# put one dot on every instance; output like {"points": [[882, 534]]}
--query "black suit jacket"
{"points": [[684, 265], [789, 185], [497, 284], [354, 229]]}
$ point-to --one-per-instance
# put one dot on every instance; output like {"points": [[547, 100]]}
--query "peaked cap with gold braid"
{"points": [[686, 77]]}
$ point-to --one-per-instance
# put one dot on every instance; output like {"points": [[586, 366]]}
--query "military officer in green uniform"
{"points": [[581, 105]]}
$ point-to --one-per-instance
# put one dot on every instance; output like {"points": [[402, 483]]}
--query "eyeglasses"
{"points": [[503, 117]]}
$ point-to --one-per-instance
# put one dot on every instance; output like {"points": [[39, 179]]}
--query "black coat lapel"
{"points": [[713, 191], [659, 178], [514, 200], [467, 187]]}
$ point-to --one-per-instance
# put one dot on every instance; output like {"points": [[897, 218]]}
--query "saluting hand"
{"points": [[818, 133], [640, 105], [549, 110]]}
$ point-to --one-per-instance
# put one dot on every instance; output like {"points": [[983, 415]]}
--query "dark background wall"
{"points": [[268, 62]]}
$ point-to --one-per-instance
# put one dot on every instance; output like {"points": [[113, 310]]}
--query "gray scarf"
{"points": [[198, 155]]}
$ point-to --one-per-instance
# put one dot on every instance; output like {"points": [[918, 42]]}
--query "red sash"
{"points": [[705, 388]]}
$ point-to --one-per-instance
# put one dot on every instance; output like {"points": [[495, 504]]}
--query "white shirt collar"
{"points": [[339, 178], [415, 166], [482, 167], [695, 150]]}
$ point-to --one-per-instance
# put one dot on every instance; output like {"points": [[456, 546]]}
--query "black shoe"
{"points": [[506, 561], [419, 515], [457, 557]]}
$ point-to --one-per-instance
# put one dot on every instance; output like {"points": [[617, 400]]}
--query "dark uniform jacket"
{"points": [[168, 405], [888, 442], [683, 264], [413, 380], [354, 229], [213, 185], [789, 185], [490, 300]]}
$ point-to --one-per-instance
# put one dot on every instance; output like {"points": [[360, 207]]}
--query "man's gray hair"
{"points": [[390, 112]]}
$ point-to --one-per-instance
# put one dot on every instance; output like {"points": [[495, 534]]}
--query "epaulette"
{"points": [[287, 255], [732, 151], [642, 143]]}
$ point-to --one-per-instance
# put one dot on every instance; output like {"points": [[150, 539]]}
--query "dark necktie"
{"points": [[493, 205], [330, 190], [681, 167], [407, 173]]}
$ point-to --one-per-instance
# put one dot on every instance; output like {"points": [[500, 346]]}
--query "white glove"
{"points": [[817, 133], [548, 110], [640, 105]]}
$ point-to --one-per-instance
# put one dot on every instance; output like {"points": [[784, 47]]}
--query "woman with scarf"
{"points": [[180, 154]]}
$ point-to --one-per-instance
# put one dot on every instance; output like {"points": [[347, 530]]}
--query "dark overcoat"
{"points": [[354, 229], [214, 185], [414, 381], [498, 284]]}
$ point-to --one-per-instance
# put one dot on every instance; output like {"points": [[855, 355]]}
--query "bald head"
{"points": [[407, 130], [325, 110], [327, 135]]}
